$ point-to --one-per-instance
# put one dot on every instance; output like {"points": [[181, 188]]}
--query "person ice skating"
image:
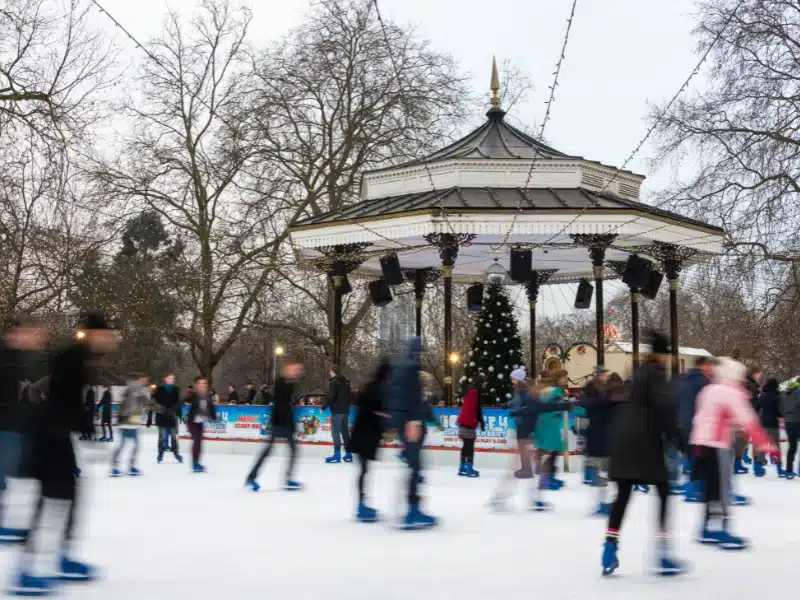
{"points": [[470, 419], [754, 389], [283, 427], [791, 418], [104, 407], [406, 405], [135, 400], [51, 548], [201, 411], [22, 346], [769, 411], [599, 394], [519, 379], [640, 426], [90, 402], [371, 419], [168, 415], [721, 405], [689, 385], [548, 435], [338, 400]]}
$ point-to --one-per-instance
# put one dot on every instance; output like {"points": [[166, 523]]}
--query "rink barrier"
{"points": [[245, 423]]}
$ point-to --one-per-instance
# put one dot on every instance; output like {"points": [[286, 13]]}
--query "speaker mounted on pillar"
{"points": [[380, 293], [583, 299], [637, 272], [650, 291], [521, 264], [390, 268], [475, 297]]}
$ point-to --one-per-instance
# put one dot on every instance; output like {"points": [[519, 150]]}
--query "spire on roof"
{"points": [[495, 84]]}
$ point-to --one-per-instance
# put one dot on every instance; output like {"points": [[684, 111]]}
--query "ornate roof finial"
{"points": [[495, 85]]}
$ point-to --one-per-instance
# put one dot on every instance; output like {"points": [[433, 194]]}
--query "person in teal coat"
{"points": [[550, 426]]}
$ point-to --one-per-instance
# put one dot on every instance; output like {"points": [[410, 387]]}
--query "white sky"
{"points": [[622, 56]]}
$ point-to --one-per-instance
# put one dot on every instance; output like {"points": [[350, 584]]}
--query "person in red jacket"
{"points": [[469, 420]]}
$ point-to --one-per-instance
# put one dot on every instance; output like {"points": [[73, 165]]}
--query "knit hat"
{"points": [[728, 369], [519, 374]]}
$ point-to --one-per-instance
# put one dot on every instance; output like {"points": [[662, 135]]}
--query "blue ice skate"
{"points": [[610, 560], [348, 457], [589, 475], [739, 468], [293, 486], [365, 514], [721, 538], [471, 472], [252, 484], [740, 500], [27, 585], [12, 536], [669, 567], [416, 519], [335, 458], [541, 506], [116, 472], [603, 510], [134, 472], [198, 468], [72, 570], [463, 470], [746, 457], [758, 469]]}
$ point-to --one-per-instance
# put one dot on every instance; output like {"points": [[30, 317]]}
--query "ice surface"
{"points": [[172, 534]]}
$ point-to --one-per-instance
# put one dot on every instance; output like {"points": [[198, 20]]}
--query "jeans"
{"points": [[164, 433], [276, 432], [196, 431], [131, 435], [340, 428], [413, 455]]}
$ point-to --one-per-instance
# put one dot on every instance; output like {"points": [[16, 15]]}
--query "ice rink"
{"points": [[172, 534]]}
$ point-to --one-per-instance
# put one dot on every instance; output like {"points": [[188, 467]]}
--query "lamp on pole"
{"points": [[277, 353]]}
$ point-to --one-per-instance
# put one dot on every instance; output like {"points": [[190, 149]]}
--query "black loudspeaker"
{"points": [[654, 280], [390, 267], [521, 264], [583, 299], [380, 293], [475, 297], [346, 287], [637, 272]]}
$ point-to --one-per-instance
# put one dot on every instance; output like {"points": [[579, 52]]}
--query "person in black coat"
{"points": [[105, 407], [90, 401], [368, 431], [168, 415], [338, 400], [233, 395], [201, 411], [282, 427], [769, 411], [640, 427], [62, 413], [597, 402]]}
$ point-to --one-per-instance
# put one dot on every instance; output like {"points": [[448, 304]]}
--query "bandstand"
{"points": [[458, 211]]}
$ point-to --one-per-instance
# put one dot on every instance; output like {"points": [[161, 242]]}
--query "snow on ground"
{"points": [[172, 534]]}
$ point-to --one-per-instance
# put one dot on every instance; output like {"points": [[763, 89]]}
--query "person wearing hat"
{"points": [[50, 548], [640, 425]]}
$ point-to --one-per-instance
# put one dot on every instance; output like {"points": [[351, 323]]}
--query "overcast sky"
{"points": [[622, 55]]}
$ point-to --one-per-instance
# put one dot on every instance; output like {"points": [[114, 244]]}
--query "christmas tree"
{"points": [[496, 349]]}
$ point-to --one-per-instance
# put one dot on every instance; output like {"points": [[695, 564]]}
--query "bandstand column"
{"points": [[534, 285], [448, 244], [420, 278], [597, 245], [672, 258], [340, 260]]}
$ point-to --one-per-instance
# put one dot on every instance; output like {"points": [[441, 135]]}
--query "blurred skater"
{"points": [[720, 406], [338, 400], [769, 411], [640, 425], [51, 546], [135, 401], [105, 409], [168, 415], [283, 427], [201, 411], [368, 429]]}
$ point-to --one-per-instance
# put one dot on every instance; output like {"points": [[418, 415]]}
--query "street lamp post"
{"points": [[278, 352]]}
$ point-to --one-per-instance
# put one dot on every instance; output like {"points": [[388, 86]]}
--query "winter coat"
{"points": [[168, 406], [640, 425], [471, 413], [201, 408], [233, 397], [597, 404], [132, 407], [339, 397], [722, 405], [365, 438], [685, 395], [283, 409], [251, 395], [63, 410], [530, 409], [791, 404], [105, 406], [548, 434], [404, 400], [769, 406], [10, 387]]}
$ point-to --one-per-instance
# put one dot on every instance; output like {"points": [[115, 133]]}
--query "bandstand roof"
{"points": [[505, 188]]}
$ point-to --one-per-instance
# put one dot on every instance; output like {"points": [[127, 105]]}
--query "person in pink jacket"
{"points": [[723, 406]]}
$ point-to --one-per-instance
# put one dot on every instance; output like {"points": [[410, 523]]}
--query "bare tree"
{"points": [[53, 66], [192, 157], [341, 94]]}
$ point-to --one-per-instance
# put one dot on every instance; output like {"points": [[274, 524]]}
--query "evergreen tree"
{"points": [[496, 349]]}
